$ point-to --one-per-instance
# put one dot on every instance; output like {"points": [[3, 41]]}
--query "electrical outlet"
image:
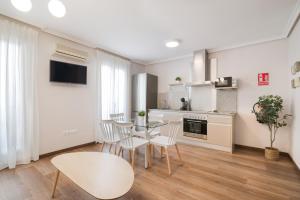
{"points": [[73, 131], [69, 132]]}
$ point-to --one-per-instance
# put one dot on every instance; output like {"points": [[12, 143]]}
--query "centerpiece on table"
{"points": [[141, 117]]}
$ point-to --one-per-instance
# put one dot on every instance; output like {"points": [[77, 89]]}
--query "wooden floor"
{"points": [[206, 174]]}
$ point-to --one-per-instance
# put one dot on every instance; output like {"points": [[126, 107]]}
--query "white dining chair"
{"points": [[110, 135], [128, 141], [117, 117], [167, 140], [155, 118]]}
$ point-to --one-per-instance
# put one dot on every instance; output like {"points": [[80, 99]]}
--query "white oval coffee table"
{"points": [[103, 175]]}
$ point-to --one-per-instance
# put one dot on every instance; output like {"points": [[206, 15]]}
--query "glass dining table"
{"points": [[147, 127]]}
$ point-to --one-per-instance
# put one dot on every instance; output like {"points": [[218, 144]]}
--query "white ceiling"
{"points": [[138, 29]]}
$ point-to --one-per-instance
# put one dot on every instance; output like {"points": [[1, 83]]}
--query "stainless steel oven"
{"points": [[195, 126]]}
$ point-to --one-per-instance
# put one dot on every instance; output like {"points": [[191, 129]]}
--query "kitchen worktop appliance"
{"points": [[195, 125]]}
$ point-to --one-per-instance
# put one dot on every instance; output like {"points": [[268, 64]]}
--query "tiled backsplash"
{"points": [[175, 94], [202, 98], [162, 101], [226, 100]]}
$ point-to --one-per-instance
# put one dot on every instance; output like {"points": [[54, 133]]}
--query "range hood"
{"points": [[200, 69]]}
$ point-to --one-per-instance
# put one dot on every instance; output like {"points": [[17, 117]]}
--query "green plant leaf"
{"points": [[268, 110], [142, 113]]}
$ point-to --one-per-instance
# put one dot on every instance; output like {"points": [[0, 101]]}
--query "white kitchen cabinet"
{"points": [[219, 134], [219, 129], [220, 119]]}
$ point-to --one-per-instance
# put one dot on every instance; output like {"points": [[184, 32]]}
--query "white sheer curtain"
{"points": [[113, 81], [18, 113]]}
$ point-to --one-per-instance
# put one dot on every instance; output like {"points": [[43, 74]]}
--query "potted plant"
{"points": [[178, 79], [141, 117], [268, 110]]}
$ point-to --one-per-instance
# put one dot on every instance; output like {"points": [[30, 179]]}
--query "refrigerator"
{"points": [[144, 93]]}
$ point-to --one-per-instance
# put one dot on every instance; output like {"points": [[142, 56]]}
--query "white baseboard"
{"points": [[296, 163]]}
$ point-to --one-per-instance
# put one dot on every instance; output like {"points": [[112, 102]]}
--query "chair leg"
{"points": [[153, 150], [132, 158], [168, 160], [110, 147], [102, 146], [178, 153], [161, 152], [120, 150], [116, 149]]}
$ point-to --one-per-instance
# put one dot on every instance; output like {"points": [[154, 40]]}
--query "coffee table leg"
{"points": [[55, 183]]}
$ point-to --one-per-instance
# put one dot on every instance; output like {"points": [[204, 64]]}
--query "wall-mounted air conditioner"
{"points": [[70, 52]]}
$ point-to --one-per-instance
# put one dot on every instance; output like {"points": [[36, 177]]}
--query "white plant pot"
{"points": [[141, 120]]}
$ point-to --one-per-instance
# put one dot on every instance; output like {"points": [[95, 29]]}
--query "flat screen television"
{"points": [[67, 73]]}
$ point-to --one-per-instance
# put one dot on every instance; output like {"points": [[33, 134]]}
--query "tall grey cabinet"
{"points": [[144, 92]]}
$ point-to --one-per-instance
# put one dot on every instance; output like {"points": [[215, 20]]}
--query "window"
{"points": [[18, 111], [114, 86]]}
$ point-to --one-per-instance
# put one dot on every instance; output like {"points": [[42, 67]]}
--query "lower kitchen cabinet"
{"points": [[220, 128], [219, 134]]}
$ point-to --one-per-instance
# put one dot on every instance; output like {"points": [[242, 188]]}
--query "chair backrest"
{"points": [[108, 131], [173, 131], [125, 133], [117, 117]]}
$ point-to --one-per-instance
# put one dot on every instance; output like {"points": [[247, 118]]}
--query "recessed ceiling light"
{"points": [[57, 8], [22, 5], [172, 43]]}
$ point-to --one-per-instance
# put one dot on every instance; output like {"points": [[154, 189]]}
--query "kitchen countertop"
{"points": [[196, 112]]}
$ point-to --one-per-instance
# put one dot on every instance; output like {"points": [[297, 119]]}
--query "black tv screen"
{"points": [[67, 73]]}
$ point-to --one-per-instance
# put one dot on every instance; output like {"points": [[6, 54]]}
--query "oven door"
{"points": [[195, 128]]}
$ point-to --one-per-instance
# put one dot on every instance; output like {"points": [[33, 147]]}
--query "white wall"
{"points": [[168, 71], [64, 106], [294, 55], [137, 68], [244, 64]]}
